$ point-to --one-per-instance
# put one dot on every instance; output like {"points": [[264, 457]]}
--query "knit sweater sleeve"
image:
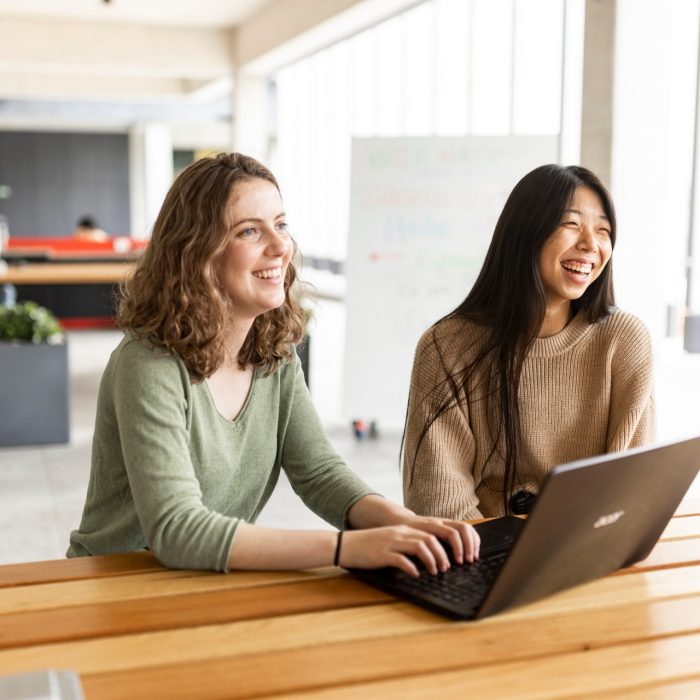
{"points": [[632, 418], [316, 472], [439, 455], [150, 396]]}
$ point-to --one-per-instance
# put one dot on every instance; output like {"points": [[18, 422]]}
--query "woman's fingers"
{"points": [[438, 553], [454, 538], [475, 542], [419, 545], [396, 545], [469, 540], [462, 538], [399, 561]]}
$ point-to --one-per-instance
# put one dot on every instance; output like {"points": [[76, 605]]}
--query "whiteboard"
{"points": [[422, 213]]}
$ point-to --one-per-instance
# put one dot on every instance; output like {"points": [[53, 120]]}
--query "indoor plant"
{"points": [[34, 405]]}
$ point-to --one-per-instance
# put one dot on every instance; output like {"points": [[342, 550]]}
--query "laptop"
{"points": [[592, 517]]}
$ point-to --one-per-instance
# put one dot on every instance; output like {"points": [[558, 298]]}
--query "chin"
{"points": [[272, 306]]}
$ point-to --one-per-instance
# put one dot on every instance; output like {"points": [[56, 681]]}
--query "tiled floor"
{"points": [[42, 489]]}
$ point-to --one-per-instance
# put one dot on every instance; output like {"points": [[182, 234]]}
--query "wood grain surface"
{"points": [[133, 629]]}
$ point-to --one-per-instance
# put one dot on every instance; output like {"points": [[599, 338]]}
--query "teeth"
{"points": [[268, 274], [585, 268]]}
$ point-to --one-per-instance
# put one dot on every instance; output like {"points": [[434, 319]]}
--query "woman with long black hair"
{"points": [[536, 367]]}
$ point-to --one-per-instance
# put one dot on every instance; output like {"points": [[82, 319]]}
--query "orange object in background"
{"points": [[66, 275], [57, 248]]}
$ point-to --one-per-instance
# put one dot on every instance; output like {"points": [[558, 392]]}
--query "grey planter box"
{"points": [[34, 408]]}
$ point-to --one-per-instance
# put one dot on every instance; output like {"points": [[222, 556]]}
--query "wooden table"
{"points": [[82, 295], [133, 629], [66, 273]]}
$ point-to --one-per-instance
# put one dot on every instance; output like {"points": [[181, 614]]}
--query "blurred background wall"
{"points": [[103, 102]]}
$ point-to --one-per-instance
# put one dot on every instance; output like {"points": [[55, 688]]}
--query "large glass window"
{"points": [[444, 67]]}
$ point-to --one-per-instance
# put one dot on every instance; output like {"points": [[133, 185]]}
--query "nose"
{"points": [[277, 245], [587, 239]]}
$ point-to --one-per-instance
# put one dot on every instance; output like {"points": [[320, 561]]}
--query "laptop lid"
{"points": [[593, 517]]}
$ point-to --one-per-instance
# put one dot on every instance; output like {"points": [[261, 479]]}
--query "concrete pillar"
{"points": [[150, 174], [655, 64], [691, 332], [598, 74], [251, 117]]}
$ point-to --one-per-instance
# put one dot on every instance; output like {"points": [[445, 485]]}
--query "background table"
{"points": [[82, 295], [133, 629], [66, 273]]}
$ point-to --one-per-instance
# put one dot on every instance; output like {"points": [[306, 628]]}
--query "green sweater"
{"points": [[171, 474]]}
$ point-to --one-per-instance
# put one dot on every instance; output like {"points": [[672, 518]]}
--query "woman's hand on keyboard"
{"points": [[394, 545], [420, 536], [461, 537]]}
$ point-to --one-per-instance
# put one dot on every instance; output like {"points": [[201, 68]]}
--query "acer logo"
{"points": [[604, 520]]}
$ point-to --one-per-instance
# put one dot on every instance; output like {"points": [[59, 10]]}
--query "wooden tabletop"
{"points": [[66, 273], [134, 629]]}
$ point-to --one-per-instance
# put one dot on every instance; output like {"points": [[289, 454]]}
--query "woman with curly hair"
{"points": [[536, 367], [204, 401]]}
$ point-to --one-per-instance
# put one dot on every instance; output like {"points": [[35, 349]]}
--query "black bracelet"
{"points": [[336, 558]]}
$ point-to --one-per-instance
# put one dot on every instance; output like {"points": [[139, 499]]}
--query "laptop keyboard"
{"points": [[460, 583]]}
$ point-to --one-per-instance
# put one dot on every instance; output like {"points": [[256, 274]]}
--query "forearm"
{"points": [[257, 547], [375, 511], [384, 534]]}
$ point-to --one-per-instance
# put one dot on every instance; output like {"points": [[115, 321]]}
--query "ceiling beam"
{"points": [[287, 30], [75, 50], [88, 88]]}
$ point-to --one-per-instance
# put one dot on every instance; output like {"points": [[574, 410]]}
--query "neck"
{"points": [[236, 333], [556, 317]]}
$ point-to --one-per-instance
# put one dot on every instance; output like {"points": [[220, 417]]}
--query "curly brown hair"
{"points": [[174, 297]]}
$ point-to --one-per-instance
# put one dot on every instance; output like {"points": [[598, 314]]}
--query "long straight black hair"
{"points": [[508, 300]]}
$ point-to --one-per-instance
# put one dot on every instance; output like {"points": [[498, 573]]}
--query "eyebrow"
{"points": [[251, 220], [578, 211]]}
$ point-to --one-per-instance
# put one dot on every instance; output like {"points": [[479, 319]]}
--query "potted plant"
{"points": [[34, 408]]}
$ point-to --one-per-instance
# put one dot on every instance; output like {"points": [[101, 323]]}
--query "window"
{"points": [[444, 67]]}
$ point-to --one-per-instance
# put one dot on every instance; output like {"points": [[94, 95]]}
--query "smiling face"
{"points": [[255, 261], [573, 257]]}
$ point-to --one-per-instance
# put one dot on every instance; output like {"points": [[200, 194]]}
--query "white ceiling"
{"points": [[187, 13], [127, 51], [85, 61]]}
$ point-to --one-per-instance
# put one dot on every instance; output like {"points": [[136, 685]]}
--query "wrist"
{"points": [[395, 514], [376, 511]]}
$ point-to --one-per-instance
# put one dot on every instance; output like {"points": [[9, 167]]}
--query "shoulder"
{"points": [[622, 328], [138, 360], [288, 370], [283, 378], [141, 352], [626, 341], [445, 348], [450, 338], [282, 388], [450, 344]]}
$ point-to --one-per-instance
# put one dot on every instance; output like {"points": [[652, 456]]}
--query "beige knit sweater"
{"points": [[584, 391]]}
